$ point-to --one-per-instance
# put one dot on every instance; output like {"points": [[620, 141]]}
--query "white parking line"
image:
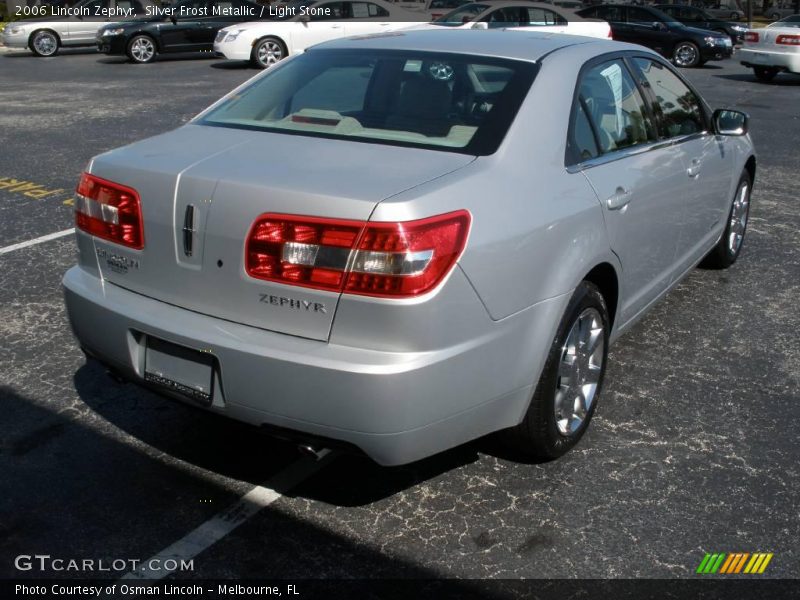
{"points": [[223, 523], [39, 240]]}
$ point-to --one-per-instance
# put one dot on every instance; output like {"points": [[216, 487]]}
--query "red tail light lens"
{"points": [[751, 36], [392, 260], [610, 34], [788, 40], [109, 211]]}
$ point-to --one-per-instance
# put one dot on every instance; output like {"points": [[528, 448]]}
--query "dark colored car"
{"points": [[699, 18], [685, 46], [188, 26]]}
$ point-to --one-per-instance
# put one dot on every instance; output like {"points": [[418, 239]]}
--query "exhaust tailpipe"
{"points": [[316, 452]]}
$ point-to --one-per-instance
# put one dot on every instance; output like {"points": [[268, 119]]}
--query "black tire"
{"points": [[540, 436], [142, 49], [765, 74], [44, 42], [267, 52], [686, 54], [725, 253]]}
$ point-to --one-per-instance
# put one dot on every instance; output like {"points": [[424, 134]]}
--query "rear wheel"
{"points": [[686, 54], [729, 246], [765, 74], [566, 395], [142, 49], [44, 43], [268, 52]]}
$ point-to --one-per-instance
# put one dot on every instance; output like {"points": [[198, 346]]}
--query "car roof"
{"points": [[519, 45]]}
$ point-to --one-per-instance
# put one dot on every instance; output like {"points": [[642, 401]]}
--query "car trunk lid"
{"points": [[201, 189]]}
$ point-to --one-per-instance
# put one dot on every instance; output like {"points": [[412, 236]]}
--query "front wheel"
{"points": [[727, 250], [44, 43], [268, 52], [686, 54], [765, 74], [569, 387], [142, 49]]}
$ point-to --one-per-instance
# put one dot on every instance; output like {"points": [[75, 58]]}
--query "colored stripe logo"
{"points": [[734, 563]]}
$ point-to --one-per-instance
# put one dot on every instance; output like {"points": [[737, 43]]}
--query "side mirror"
{"points": [[480, 25], [466, 19], [304, 19], [657, 25], [174, 19], [730, 122]]}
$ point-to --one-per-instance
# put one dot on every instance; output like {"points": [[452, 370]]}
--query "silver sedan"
{"points": [[403, 242]]}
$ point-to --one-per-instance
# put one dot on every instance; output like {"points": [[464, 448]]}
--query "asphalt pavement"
{"points": [[694, 447]]}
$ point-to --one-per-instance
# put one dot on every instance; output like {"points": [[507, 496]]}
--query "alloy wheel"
{"points": [[579, 371], [45, 43], [739, 214], [685, 55], [143, 49], [269, 52]]}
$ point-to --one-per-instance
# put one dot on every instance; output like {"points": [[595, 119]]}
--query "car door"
{"points": [[707, 158], [639, 182], [182, 33], [83, 30], [648, 30]]}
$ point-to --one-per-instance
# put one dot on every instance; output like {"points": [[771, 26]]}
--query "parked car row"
{"points": [[265, 34]]}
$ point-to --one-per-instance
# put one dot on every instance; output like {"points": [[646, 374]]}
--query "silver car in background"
{"points": [[405, 242], [71, 26]]}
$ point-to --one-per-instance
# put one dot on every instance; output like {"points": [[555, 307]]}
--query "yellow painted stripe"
{"points": [[727, 564], [753, 564], [765, 563], [740, 564]]}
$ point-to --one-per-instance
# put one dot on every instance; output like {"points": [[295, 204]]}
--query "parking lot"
{"points": [[693, 448]]}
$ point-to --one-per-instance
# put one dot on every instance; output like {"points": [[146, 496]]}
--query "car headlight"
{"points": [[232, 35], [713, 41], [15, 30], [117, 31], [739, 28]]}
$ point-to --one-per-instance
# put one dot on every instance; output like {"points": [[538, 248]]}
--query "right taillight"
{"points": [[788, 40], [109, 211], [391, 260], [751, 36]]}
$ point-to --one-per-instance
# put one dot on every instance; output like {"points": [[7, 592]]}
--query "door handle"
{"points": [[694, 169], [619, 200]]}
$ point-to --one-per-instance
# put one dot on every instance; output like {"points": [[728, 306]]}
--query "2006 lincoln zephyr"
{"points": [[406, 241]]}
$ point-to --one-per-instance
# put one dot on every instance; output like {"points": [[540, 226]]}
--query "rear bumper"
{"points": [[785, 61], [396, 406]]}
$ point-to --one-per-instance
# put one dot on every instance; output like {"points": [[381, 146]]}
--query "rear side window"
{"points": [[614, 106], [582, 144], [640, 16], [541, 16], [678, 109]]}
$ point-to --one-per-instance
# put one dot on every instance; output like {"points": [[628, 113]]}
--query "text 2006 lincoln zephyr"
{"points": [[404, 242]]}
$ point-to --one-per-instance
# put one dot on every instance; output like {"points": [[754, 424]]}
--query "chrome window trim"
{"points": [[616, 155]]}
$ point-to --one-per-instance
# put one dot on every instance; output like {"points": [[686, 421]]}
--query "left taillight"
{"points": [[382, 259], [109, 211]]}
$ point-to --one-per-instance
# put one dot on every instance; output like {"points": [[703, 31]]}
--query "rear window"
{"points": [[440, 101]]}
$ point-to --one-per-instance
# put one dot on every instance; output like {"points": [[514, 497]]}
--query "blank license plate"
{"points": [[180, 369]]}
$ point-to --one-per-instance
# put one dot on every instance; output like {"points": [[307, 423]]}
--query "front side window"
{"points": [[614, 106], [677, 107], [367, 10], [461, 15], [434, 100]]}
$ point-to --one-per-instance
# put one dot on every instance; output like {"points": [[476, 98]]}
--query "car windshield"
{"points": [[461, 15], [409, 98]]}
